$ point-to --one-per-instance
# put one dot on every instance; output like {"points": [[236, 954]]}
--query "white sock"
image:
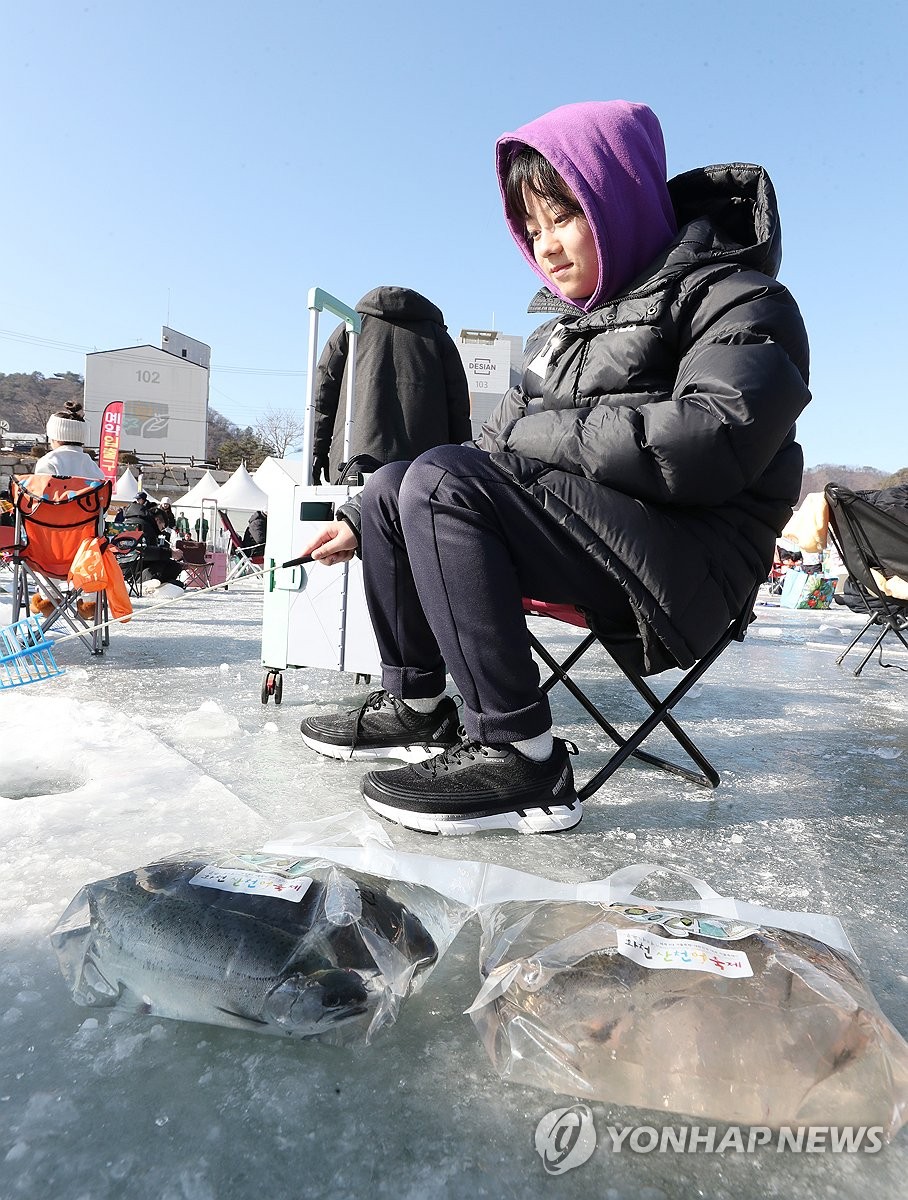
{"points": [[427, 705], [537, 748]]}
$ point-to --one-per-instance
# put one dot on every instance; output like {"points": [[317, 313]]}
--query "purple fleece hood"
{"points": [[611, 155]]}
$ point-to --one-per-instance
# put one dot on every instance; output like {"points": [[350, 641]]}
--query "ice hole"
{"points": [[26, 787]]}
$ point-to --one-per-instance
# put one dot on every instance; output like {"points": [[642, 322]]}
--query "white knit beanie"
{"points": [[67, 426]]}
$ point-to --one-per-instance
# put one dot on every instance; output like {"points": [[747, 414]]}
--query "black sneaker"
{"points": [[384, 727], [472, 788]]}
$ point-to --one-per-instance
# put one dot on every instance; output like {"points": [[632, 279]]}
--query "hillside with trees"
{"points": [[26, 401], [858, 479]]}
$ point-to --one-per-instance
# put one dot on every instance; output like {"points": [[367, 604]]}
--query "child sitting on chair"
{"points": [[642, 471], [66, 433]]}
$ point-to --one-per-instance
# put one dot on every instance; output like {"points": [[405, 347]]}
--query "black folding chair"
{"points": [[127, 546], [196, 563], [706, 775], [873, 545]]}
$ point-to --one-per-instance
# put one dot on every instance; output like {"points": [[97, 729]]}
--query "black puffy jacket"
{"points": [[662, 437], [411, 389]]}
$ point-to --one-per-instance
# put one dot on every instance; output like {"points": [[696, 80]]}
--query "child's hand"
{"points": [[334, 543]]}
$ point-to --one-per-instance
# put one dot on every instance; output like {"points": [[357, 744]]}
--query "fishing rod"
{"points": [[30, 650], [255, 573]]}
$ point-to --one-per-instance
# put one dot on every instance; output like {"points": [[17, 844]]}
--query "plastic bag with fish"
{"points": [[277, 945], [707, 1016]]}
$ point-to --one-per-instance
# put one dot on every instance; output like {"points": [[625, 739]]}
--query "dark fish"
{"points": [[153, 941]]}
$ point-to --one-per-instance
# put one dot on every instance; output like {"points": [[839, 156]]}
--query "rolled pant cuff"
{"points": [[501, 729], [411, 683]]}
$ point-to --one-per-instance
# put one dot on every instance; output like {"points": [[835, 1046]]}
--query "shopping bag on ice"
{"points": [[707, 1007], [292, 946], [802, 590]]}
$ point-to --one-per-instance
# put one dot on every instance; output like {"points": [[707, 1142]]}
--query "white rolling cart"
{"points": [[313, 616]]}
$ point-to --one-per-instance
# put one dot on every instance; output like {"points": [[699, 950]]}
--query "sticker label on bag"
{"points": [[256, 883], [666, 954], [681, 924]]}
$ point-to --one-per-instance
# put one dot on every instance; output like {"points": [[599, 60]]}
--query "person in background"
{"points": [[161, 562], [201, 529], [411, 389], [138, 509], [183, 526], [254, 537], [642, 471], [7, 512], [165, 509], [66, 432]]}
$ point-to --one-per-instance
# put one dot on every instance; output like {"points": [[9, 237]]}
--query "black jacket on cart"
{"points": [[662, 433], [410, 392]]}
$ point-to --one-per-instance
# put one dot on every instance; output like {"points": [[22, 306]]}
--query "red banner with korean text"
{"points": [[109, 445]]}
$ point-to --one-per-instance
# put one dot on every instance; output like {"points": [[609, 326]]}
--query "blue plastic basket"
{"points": [[27, 655]]}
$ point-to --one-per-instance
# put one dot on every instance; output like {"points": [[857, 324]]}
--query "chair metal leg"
{"points": [[707, 776], [887, 628], [852, 644], [866, 659]]}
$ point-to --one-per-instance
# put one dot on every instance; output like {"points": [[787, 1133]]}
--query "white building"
{"points": [[492, 363], [164, 394]]}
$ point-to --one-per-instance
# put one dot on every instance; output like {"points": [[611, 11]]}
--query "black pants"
{"points": [[450, 547], [164, 568]]}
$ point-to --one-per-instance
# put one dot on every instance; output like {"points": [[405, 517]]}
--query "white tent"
{"points": [[126, 487], [242, 493], [239, 497], [207, 488], [198, 504]]}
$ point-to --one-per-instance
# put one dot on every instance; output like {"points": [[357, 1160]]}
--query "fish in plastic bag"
{"points": [[752, 1025], [257, 942]]}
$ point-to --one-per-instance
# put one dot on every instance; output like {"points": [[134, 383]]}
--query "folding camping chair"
{"points": [[54, 516], [127, 547], [661, 714], [873, 545], [776, 573], [7, 541], [242, 560], [196, 562]]}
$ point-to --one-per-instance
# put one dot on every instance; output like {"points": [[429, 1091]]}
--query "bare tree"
{"points": [[281, 429]]}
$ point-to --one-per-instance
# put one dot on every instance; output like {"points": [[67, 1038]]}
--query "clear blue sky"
{"points": [[204, 164]]}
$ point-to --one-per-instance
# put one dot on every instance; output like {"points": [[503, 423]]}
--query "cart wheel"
{"points": [[272, 685]]}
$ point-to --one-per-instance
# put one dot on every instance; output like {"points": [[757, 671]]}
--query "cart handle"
{"points": [[322, 301]]}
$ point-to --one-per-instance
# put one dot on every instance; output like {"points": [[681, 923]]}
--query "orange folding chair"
{"points": [[54, 516], [705, 774]]}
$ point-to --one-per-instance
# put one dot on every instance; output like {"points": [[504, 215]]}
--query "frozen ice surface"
{"points": [[108, 767]]}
